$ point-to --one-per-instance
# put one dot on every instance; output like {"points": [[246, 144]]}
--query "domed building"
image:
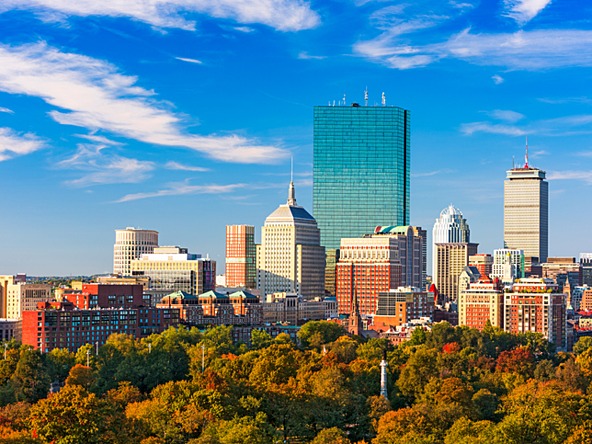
{"points": [[290, 258]]}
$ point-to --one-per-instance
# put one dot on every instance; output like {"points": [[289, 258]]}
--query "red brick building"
{"points": [[536, 305], [63, 325]]}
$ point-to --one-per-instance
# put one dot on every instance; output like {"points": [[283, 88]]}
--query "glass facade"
{"points": [[361, 170]]}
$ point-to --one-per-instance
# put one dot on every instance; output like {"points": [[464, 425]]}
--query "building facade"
{"points": [[173, 269], [130, 244], [367, 267], [399, 306], [450, 227], [482, 262], [536, 305], [290, 258], [22, 297], [562, 269], [62, 325], [241, 255], [508, 265], [360, 170], [451, 260], [526, 213], [479, 303]]}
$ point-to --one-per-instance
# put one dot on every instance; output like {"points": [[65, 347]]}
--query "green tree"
{"points": [[318, 333], [417, 372], [30, 377], [81, 375], [260, 339], [332, 435], [583, 344], [59, 361]]}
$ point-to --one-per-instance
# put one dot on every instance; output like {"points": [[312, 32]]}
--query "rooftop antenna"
{"points": [[526, 154], [291, 168], [344, 102], [383, 99], [366, 97], [513, 162]]}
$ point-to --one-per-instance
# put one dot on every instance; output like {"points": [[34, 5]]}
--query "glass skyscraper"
{"points": [[361, 170]]}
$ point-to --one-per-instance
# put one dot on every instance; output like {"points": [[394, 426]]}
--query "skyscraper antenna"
{"points": [[291, 168], [526, 154], [344, 102], [383, 99], [513, 162], [366, 97]]}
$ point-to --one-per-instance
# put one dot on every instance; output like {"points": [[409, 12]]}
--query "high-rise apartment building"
{"points": [[360, 170], [451, 260], [130, 244], [481, 302], [450, 227], [173, 269], [241, 256], [526, 213], [508, 265], [536, 305], [290, 258]]}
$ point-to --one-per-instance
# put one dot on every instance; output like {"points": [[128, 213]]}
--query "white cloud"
{"points": [[530, 50], [181, 189], [14, 144], [92, 94], [497, 79], [188, 60], [100, 168], [179, 166], [6, 110], [306, 56], [523, 11], [506, 115], [585, 176], [283, 15], [492, 128]]}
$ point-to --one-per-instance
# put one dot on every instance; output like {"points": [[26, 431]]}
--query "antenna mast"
{"points": [[366, 97], [383, 99], [526, 154]]}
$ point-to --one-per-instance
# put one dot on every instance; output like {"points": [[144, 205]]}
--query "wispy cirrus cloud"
{"points": [[13, 144], [497, 79], [177, 189], [303, 55], [432, 173], [584, 176], [189, 60], [492, 128], [100, 168], [523, 11], [506, 115], [179, 166], [93, 94], [283, 15], [6, 110]]}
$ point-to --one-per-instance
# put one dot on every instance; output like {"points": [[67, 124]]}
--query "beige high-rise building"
{"points": [[451, 260], [5, 281], [526, 213], [130, 244], [24, 297], [290, 258], [481, 302]]}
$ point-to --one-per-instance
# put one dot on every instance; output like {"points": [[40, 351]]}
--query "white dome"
{"points": [[450, 210]]}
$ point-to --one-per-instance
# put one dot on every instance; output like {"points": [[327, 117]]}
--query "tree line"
{"points": [[448, 385]]}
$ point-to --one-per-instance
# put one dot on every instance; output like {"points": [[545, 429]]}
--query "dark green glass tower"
{"points": [[361, 170]]}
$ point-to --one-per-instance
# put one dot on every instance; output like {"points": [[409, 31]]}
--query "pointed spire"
{"points": [[526, 154], [291, 190]]}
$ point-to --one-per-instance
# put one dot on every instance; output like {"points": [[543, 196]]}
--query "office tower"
{"points": [[290, 258], [24, 297], [241, 269], [130, 244], [5, 281], [367, 266], [450, 227], [451, 260], [560, 269], [526, 213], [482, 301], [174, 269], [586, 261], [536, 305], [507, 265], [482, 262], [360, 170]]}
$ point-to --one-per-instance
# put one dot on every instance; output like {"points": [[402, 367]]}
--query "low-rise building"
{"points": [[399, 306]]}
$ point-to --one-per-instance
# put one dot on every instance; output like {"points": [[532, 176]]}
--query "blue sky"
{"points": [[182, 115]]}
